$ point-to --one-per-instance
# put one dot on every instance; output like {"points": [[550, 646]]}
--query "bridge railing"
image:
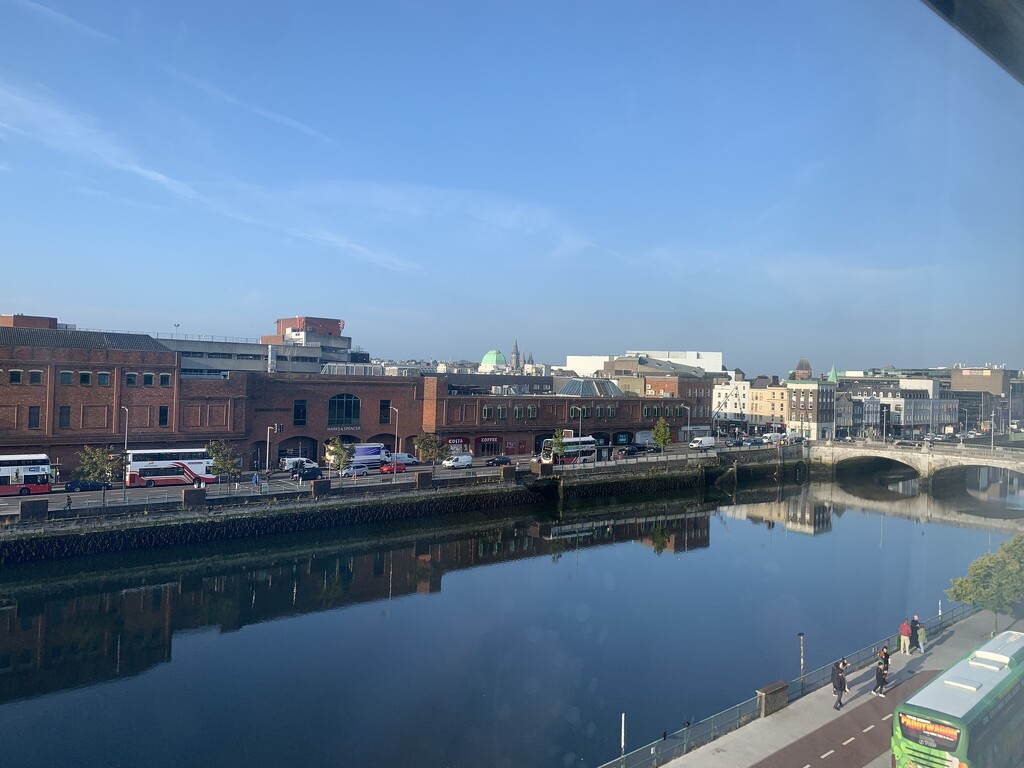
{"points": [[694, 735]]}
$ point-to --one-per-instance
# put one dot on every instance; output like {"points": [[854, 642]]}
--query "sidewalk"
{"points": [[810, 732]]}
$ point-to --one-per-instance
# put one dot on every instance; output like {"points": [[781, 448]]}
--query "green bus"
{"points": [[970, 716]]}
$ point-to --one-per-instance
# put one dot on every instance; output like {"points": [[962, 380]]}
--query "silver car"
{"points": [[355, 470]]}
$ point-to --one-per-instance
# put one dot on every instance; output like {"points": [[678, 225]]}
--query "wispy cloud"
{"points": [[39, 118], [256, 109], [65, 21], [201, 85]]}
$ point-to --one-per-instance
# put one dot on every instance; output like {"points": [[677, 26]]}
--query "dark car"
{"points": [[310, 473], [629, 450], [652, 448], [86, 485], [392, 468], [753, 441], [497, 461], [734, 442], [905, 444]]}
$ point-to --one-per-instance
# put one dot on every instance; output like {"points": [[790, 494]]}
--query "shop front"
{"points": [[457, 445], [488, 445]]}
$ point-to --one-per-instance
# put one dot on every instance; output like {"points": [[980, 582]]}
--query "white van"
{"points": [[458, 461], [295, 463], [702, 443], [404, 458], [771, 438]]}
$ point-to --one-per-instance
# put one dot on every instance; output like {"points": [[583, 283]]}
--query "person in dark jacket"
{"points": [[880, 672], [915, 628], [839, 682], [883, 657]]}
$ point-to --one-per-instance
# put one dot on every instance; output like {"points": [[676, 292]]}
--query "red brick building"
{"points": [[62, 390]]}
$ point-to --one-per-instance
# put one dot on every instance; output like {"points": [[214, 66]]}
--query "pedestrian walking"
{"points": [[915, 628], [67, 504], [839, 686], [883, 657], [880, 673], [905, 637]]}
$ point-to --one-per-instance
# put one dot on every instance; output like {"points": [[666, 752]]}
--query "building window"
{"points": [[611, 411], [165, 379], [64, 417], [657, 411], [342, 410], [574, 412], [85, 378], [14, 377], [586, 411], [147, 379], [486, 411], [502, 412], [599, 411], [35, 377], [385, 411], [531, 412], [517, 412], [33, 417], [131, 379], [647, 411], [162, 418], [103, 379], [299, 413], [65, 378]]}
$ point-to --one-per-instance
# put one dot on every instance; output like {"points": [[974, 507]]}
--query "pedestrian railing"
{"points": [[694, 735]]}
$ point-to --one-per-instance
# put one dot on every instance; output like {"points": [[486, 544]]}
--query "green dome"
{"points": [[494, 357]]}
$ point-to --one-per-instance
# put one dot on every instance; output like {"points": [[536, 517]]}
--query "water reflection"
{"points": [[514, 642]]}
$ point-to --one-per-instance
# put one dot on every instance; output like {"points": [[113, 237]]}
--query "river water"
{"points": [[512, 642]]}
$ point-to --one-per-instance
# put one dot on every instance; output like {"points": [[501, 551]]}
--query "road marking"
{"points": [[867, 729], [852, 738], [887, 716], [826, 754]]}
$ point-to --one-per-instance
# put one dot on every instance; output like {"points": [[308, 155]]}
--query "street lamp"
{"points": [[124, 469], [688, 438], [275, 428], [396, 441]]}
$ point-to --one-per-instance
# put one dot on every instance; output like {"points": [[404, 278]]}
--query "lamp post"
{"points": [[272, 428], [801, 636], [124, 469], [397, 446], [992, 430], [688, 438]]}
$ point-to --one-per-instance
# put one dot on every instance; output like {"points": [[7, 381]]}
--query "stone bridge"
{"points": [[927, 459]]}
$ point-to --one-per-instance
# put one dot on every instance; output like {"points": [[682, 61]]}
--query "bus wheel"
{"points": [[24, 492], [150, 483]]}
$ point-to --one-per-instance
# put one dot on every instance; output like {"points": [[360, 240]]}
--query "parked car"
{"points": [[652, 448], [75, 486], [629, 450], [355, 470], [392, 468], [734, 442], [309, 473], [497, 461]]}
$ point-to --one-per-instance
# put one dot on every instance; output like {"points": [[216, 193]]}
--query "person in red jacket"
{"points": [[905, 637]]}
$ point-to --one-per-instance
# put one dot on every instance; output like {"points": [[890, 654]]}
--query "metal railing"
{"points": [[692, 736]]}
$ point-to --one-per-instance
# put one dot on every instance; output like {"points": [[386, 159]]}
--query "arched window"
{"points": [[342, 410]]}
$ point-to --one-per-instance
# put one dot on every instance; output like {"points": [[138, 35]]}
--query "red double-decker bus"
{"points": [[22, 474]]}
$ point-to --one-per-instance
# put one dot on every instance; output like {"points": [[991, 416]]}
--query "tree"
{"points": [[430, 447], [338, 453], [225, 460], [557, 446], [662, 434], [97, 465], [994, 581]]}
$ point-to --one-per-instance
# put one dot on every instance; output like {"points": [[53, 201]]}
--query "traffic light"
{"points": [[278, 428]]}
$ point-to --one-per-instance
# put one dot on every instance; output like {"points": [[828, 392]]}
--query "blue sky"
{"points": [[839, 180]]}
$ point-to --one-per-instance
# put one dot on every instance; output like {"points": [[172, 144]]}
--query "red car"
{"points": [[392, 468]]}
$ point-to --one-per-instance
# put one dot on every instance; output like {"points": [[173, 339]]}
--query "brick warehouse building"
{"points": [[62, 390]]}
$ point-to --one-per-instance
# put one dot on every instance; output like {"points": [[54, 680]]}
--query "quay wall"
{"points": [[197, 519]]}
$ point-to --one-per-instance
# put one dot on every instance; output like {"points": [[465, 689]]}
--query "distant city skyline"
{"points": [[842, 182]]}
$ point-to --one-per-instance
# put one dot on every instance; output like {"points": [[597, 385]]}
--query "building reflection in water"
{"points": [[51, 642]]}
